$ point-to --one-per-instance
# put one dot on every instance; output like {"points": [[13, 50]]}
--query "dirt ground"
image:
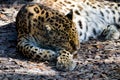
{"points": [[97, 60]]}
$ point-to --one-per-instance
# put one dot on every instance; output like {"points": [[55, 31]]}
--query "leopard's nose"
{"points": [[78, 47]]}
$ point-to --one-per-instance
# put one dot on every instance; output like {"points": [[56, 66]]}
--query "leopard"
{"points": [[46, 35]]}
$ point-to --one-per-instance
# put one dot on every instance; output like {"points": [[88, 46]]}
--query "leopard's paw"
{"points": [[111, 33], [65, 61]]}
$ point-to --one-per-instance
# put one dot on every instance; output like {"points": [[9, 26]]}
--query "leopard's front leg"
{"points": [[65, 61], [31, 50]]}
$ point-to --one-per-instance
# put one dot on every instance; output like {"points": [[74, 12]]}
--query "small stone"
{"points": [[97, 57]]}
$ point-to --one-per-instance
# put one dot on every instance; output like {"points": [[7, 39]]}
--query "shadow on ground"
{"points": [[8, 39]]}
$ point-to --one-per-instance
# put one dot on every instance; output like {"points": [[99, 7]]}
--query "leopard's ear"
{"points": [[70, 15]]}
